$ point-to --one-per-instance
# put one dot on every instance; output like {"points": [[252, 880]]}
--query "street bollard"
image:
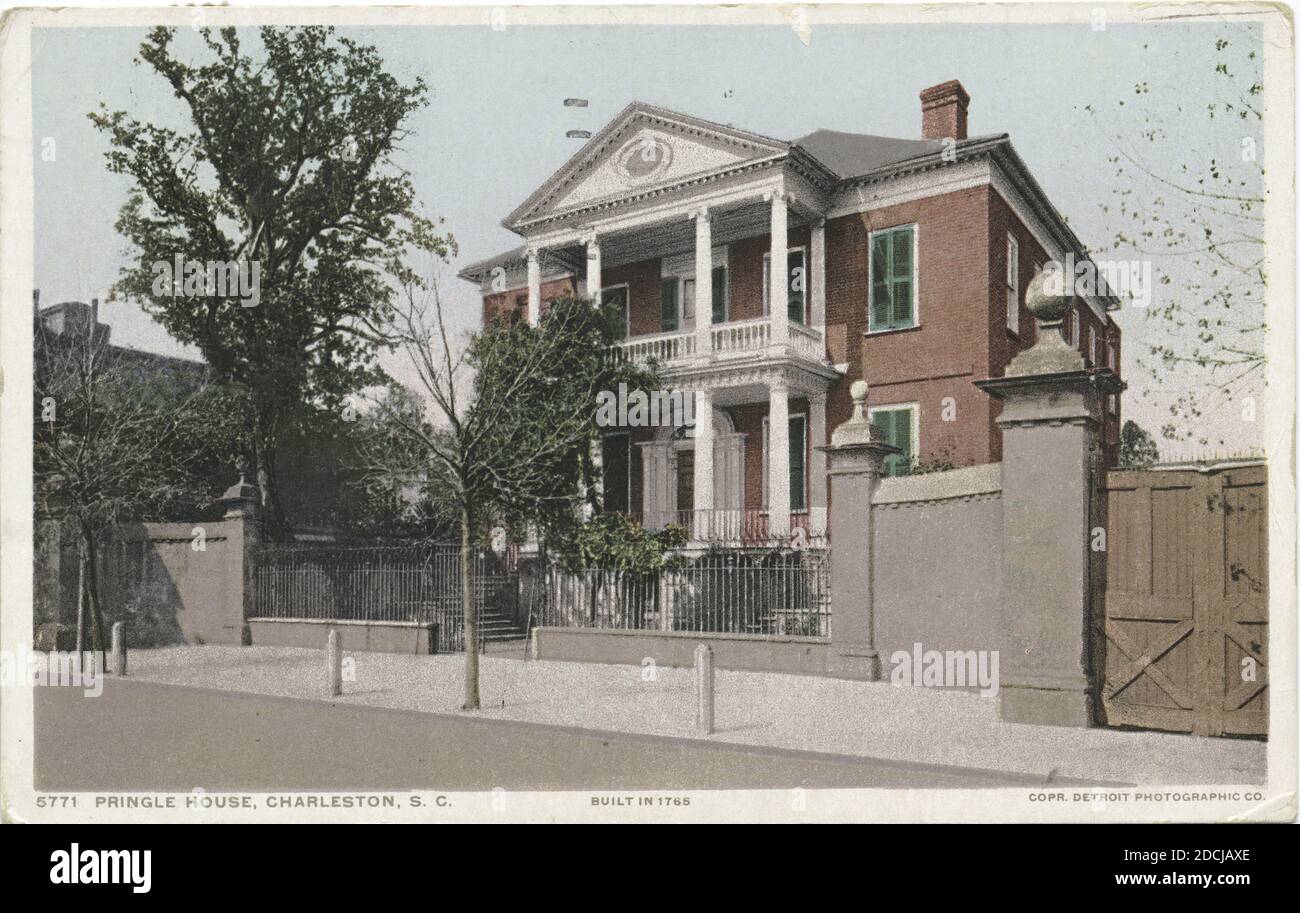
{"points": [[334, 663], [704, 688], [119, 648]]}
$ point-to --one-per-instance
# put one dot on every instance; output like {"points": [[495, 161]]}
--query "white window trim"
{"points": [[1092, 347], [1013, 284], [915, 408], [767, 281], [763, 487], [628, 435], [627, 304], [916, 279]]}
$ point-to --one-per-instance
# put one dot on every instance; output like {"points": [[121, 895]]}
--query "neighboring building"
{"points": [[906, 263]]}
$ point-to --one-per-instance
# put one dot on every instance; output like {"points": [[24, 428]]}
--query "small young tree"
{"points": [[506, 430], [113, 441]]}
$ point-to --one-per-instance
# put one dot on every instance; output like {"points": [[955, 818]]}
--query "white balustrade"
{"points": [[729, 340]]}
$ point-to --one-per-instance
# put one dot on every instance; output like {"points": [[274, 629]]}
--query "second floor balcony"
{"points": [[737, 340]]}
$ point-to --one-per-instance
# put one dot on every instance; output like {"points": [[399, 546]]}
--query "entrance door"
{"points": [[1184, 644]]}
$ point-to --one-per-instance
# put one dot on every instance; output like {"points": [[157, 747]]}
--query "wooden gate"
{"points": [[1185, 603]]}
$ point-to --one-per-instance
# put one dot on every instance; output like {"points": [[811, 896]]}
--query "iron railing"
{"points": [[733, 592], [414, 583]]}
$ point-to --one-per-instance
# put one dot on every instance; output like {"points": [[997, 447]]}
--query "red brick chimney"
{"points": [[943, 111]]}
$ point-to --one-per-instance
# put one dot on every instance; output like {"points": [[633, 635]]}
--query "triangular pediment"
{"points": [[643, 149]]}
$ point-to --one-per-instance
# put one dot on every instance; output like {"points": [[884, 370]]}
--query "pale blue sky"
{"points": [[494, 129]]}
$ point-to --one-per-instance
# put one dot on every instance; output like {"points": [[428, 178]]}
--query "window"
{"points": [[1072, 327], [721, 289], [1013, 285], [1112, 362], [798, 282], [798, 462], [617, 297], [893, 279], [677, 292], [616, 472], [1092, 347], [668, 291], [900, 428]]}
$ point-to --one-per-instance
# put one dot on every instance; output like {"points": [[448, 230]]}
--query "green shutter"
{"points": [[798, 450], [901, 274], [903, 437], [795, 271], [896, 427], [719, 294], [892, 289], [668, 304], [881, 308]]}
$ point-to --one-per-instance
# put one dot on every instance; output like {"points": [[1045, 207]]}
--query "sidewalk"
{"points": [[806, 713]]}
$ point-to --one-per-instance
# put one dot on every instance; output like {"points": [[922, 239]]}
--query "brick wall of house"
{"points": [[504, 304], [937, 359], [642, 279]]}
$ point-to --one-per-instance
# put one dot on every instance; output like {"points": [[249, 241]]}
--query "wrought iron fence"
{"points": [[418, 583], [733, 591]]}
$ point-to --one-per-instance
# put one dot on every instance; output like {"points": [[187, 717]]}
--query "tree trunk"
{"points": [[268, 486], [83, 587], [88, 595], [471, 615]]}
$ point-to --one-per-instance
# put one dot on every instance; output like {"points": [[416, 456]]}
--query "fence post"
{"points": [[704, 688], [119, 648], [334, 663], [1051, 417], [240, 502], [856, 455]]}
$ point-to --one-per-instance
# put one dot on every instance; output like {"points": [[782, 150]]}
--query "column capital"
{"points": [[532, 252], [699, 213], [776, 194]]}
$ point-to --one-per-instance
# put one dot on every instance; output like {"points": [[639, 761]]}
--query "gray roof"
{"points": [[852, 155]]}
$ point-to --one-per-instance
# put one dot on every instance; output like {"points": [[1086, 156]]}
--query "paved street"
{"points": [[875, 721], [144, 736]]}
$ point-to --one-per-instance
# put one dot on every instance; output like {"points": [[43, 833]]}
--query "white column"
{"points": [[534, 286], [593, 269], [703, 462], [779, 279], [817, 279], [817, 466], [703, 287], [778, 459]]}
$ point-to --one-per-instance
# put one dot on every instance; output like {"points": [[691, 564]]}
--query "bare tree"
{"points": [[1199, 212], [507, 421], [114, 438]]}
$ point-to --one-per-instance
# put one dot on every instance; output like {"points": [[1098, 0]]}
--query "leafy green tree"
{"points": [[1137, 448], [285, 167], [1199, 212]]}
